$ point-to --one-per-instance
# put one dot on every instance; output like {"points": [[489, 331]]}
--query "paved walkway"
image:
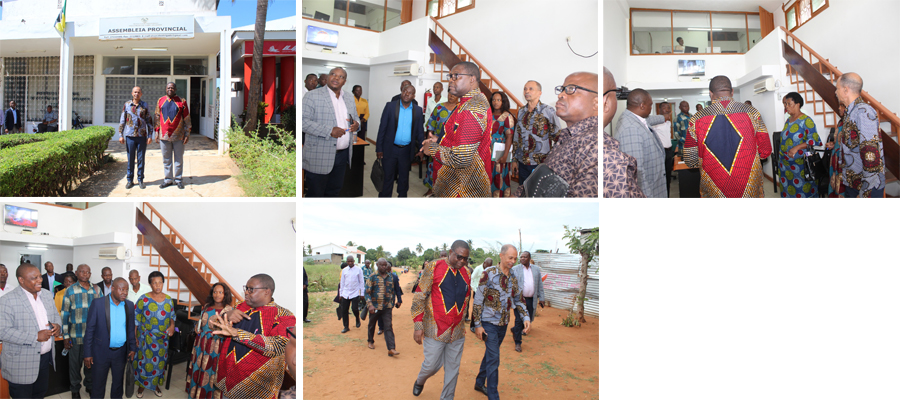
{"points": [[205, 174]]}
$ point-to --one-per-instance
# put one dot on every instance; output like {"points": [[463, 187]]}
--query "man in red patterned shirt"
{"points": [[462, 160], [173, 127]]}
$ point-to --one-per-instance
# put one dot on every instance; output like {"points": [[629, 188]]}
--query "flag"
{"points": [[60, 24]]}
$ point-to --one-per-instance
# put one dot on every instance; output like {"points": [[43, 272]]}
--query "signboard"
{"points": [[273, 48], [155, 27]]}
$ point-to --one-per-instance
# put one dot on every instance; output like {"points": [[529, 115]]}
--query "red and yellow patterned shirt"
{"points": [[172, 118], [462, 159], [439, 307]]}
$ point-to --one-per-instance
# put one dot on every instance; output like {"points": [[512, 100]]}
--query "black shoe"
{"points": [[380, 332], [141, 184], [129, 185], [76, 395], [88, 390], [357, 324], [307, 321], [165, 184], [417, 388], [180, 185], [481, 389], [345, 330]]}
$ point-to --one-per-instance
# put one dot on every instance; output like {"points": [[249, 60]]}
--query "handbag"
{"points": [[377, 175], [543, 182], [129, 379], [814, 169]]}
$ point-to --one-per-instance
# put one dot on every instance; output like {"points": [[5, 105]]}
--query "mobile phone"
{"points": [[484, 336]]}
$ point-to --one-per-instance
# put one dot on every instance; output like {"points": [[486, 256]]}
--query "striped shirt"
{"points": [[74, 311]]}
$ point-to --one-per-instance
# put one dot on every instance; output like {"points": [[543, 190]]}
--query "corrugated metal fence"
{"points": [[562, 285]]}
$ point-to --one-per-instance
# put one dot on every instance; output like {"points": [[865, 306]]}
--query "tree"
{"points": [[361, 248], [259, 32], [403, 255], [444, 247], [428, 254], [419, 248], [470, 243], [380, 253], [372, 254], [351, 244], [587, 246]]}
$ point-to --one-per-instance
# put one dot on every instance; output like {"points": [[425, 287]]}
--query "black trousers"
{"points": [[345, 310], [669, 163], [363, 128], [396, 165], [330, 184], [38, 388], [305, 303], [520, 323], [384, 317], [115, 362]]}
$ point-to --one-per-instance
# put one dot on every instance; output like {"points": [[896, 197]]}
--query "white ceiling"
{"points": [[771, 6], [202, 44]]}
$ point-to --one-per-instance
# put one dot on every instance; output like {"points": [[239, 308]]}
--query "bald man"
{"points": [[633, 131], [619, 169], [862, 158]]}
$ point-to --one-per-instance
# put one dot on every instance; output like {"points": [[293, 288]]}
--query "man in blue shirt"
{"points": [[109, 339], [400, 136]]}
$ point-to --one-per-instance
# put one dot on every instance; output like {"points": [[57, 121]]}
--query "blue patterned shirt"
{"points": [[74, 313], [536, 133], [862, 154], [496, 294], [136, 119], [681, 127], [380, 291]]}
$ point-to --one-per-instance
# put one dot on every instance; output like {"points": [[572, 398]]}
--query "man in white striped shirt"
{"points": [[352, 288]]}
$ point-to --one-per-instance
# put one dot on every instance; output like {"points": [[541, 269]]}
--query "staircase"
{"points": [[189, 276], [815, 78], [444, 58]]}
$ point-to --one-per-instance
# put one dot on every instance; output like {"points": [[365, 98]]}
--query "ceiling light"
{"points": [[37, 247], [704, 29], [150, 48]]}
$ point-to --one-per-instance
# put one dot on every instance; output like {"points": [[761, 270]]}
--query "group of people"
{"points": [[12, 120], [107, 324], [727, 141], [474, 146]]}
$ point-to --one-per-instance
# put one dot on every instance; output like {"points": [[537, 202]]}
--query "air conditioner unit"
{"points": [[406, 70], [112, 253], [767, 85]]}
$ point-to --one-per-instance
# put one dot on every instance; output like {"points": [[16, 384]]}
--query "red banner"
{"points": [[273, 48]]}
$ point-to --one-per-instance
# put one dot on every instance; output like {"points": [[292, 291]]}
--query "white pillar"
{"points": [[224, 87], [66, 70]]}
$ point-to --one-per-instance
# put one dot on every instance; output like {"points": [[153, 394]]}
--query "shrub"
{"points": [[268, 166], [48, 164]]}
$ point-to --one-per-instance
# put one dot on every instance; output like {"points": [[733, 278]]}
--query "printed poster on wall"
{"points": [[152, 27]]}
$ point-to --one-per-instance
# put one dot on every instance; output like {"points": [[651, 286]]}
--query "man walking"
{"points": [[528, 275], [30, 321], [462, 160], [12, 123], [862, 157], [497, 291], [681, 124], [638, 140], [74, 313], [330, 122], [173, 127], [380, 301], [50, 280], [536, 132], [305, 296], [400, 137], [109, 339], [134, 133], [105, 285], [438, 309], [352, 287]]}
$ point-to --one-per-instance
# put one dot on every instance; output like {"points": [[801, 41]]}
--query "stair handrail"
{"points": [[880, 108], [483, 68], [234, 293]]}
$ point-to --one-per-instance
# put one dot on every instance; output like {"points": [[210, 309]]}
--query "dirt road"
{"points": [[556, 363]]}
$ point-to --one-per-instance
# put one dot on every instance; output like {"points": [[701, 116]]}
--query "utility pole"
{"points": [[520, 240]]}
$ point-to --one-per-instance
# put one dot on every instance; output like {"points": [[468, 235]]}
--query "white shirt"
{"points": [[341, 113], [5, 291], [352, 284], [528, 285], [303, 92], [643, 120], [476, 277], [144, 289], [664, 131], [41, 314]]}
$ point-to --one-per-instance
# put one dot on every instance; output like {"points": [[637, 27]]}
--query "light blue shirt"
{"points": [[117, 332], [404, 126]]}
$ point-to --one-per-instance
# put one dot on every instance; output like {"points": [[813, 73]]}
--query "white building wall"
{"points": [[10, 253]]}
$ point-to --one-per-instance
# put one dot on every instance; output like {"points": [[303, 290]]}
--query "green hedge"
{"points": [[268, 165], [47, 164]]}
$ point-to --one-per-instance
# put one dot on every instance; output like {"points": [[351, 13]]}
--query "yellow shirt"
{"points": [[362, 107], [59, 300]]}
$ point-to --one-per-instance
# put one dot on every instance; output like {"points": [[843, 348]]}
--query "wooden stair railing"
{"points": [[814, 72], [180, 257], [445, 59]]}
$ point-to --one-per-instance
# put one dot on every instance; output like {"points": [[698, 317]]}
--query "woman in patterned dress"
{"points": [[155, 320], [835, 188], [799, 132], [435, 126], [501, 132], [201, 371]]}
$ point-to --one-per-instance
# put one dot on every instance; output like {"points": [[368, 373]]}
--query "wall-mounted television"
{"points": [[19, 216], [691, 67], [321, 36]]}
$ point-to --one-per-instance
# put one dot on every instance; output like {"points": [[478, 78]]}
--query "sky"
{"points": [[243, 12], [399, 224]]}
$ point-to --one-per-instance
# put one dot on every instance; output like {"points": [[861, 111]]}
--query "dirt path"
{"points": [[556, 363], [206, 174]]}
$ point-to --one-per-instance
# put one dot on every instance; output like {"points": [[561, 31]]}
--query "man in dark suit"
{"points": [[109, 339], [403, 85], [106, 284], [50, 277], [12, 121], [400, 136]]}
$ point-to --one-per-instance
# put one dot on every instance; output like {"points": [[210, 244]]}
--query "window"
{"points": [[444, 8], [118, 65], [691, 31], [801, 11], [154, 65], [373, 15], [190, 66]]}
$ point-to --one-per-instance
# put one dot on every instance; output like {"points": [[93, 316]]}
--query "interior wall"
{"points": [[615, 29], [108, 217], [664, 68], [242, 239], [354, 42], [56, 221], [10, 253], [355, 76]]}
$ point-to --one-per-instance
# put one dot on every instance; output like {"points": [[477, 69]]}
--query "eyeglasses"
{"points": [[454, 77], [459, 257], [570, 89], [250, 290], [610, 90]]}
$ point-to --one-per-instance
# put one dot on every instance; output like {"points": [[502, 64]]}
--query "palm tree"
{"points": [[444, 247], [469, 242], [350, 243], [259, 32], [419, 248]]}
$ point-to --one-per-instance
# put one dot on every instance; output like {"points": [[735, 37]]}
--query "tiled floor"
{"points": [[175, 391]]}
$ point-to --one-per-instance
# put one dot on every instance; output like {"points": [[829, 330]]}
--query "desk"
{"points": [[688, 179], [355, 175]]}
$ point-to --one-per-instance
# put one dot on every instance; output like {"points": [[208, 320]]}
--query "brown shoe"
{"points": [[393, 352], [372, 345], [519, 347]]}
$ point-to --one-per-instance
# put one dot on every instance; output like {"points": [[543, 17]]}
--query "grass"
{"points": [[268, 165], [323, 277]]}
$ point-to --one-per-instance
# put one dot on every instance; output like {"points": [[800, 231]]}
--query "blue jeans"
{"points": [[853, 193], [330, 184], [137, 147], [490, 364], [525, 171]]}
